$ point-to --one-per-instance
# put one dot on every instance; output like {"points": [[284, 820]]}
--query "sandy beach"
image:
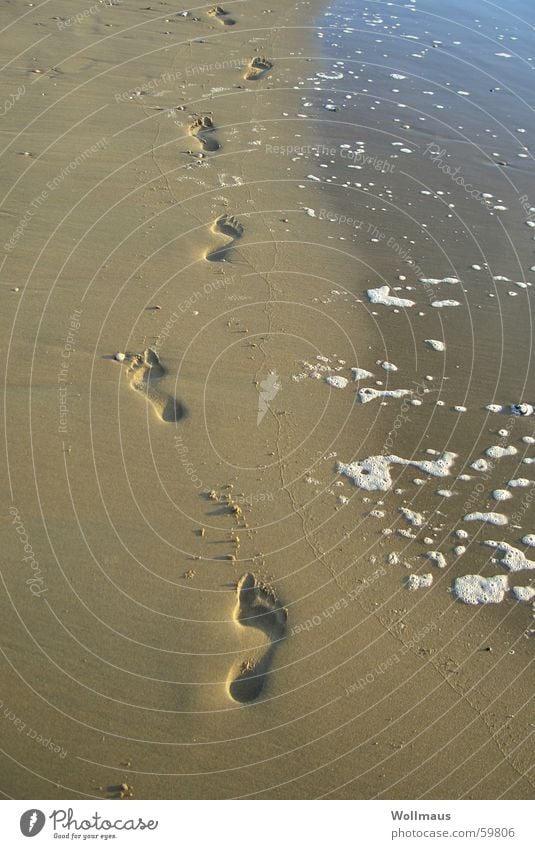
{"points": [[269, 439]]}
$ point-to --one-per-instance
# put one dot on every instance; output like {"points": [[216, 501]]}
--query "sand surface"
{"points": [[209, 589]]}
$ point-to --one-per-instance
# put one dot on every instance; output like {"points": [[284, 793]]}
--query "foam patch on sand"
{"points": [[529, 539], [337, 381], [413, 518], [360, 373], [368, 393], [496, 452], [501, 495], [437, 558], [373, 473], [381, 296], [523, 593], [520, 482], [474, 589], [489, 518], [418, 582], [435, 344], [447, 303], [434, 281], [514, 560]]}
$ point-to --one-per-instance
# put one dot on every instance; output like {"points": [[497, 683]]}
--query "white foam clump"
{"points": [[479, 465], [381, 296], [528, 460], [490, 518], [501, 495], [413, 518], [388, 366], [498, 451], [361, 373], [337, 381], [373, 473], [523, 593], [474, 589], [513, 559], [418, 582], [529, 539], [368, 393], [435, 344], [529, 440], [495, 408], [447, 303], [521, 482], [434, 281], [437, 558]]}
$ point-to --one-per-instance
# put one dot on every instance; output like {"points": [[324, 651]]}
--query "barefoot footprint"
{"points": [[144, 374], [201, 129], [221, 15], [258, 66], [257, 607], [229, 226]]}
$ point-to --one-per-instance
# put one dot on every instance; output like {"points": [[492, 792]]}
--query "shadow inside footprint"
{"points": [[201, 129], [222, 16], [258, 66], [144, 374], [256, 607], [229, 226]]}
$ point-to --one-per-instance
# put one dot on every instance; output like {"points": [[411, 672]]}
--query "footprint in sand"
{"points": [[228, 226], [258, 66], [201, 129], [222, 16], [144, 374], [256, 607]]}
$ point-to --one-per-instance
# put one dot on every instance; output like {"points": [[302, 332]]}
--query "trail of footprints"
{"points": [[256, 605]]}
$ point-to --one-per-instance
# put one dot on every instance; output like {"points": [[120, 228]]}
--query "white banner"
{"points": [[269, 824]]}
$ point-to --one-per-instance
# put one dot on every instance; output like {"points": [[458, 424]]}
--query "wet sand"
{"points": [[209, 607]]}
